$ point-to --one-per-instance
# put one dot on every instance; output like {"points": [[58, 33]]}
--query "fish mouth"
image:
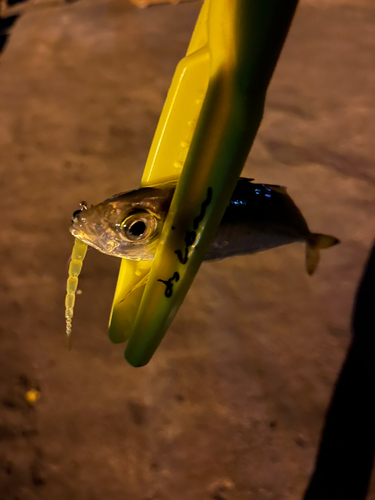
{"points": [[89, 239], [107, 250], [114, 248]]}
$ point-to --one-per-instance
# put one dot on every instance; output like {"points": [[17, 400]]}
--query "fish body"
{"points": [[258, 217]]}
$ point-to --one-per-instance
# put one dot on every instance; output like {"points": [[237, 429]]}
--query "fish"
{"points": [[258, 217]]}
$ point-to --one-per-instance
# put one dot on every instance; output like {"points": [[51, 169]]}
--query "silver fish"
{"points": [[258, 217]]}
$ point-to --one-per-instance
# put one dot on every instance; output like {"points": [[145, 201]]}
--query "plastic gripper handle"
{"points": [[217, 96]]}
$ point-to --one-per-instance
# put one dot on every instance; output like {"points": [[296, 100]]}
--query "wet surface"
{"points": [[232, 405]]}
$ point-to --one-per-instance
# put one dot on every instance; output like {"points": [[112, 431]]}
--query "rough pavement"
{"points": [[232, 405]]}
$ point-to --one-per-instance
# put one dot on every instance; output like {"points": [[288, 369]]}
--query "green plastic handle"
{"points": [[245, 47]]}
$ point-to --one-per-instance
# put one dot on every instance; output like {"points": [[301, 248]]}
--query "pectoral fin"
{"points": [[314, 243]]}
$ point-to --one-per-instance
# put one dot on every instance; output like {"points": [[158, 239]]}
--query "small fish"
{"points": [[258, 217]]}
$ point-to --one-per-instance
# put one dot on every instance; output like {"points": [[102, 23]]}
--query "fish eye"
{"points": [[138, 226]]}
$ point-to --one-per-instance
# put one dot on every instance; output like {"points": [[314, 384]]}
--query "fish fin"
{"points": [[275, 187], [244, 180], [314, 243], [312, 258], [278, 189]]}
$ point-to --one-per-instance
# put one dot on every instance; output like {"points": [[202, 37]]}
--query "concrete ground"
{"points": [[233, 403]]}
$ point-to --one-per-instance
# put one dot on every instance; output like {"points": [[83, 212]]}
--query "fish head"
{"points": [[128, 225]]}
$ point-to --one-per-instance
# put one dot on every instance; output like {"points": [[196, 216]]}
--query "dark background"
{"points": [[232, 405]]}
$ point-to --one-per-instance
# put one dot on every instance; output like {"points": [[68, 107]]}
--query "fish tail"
{"points": [[314, 243]]}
